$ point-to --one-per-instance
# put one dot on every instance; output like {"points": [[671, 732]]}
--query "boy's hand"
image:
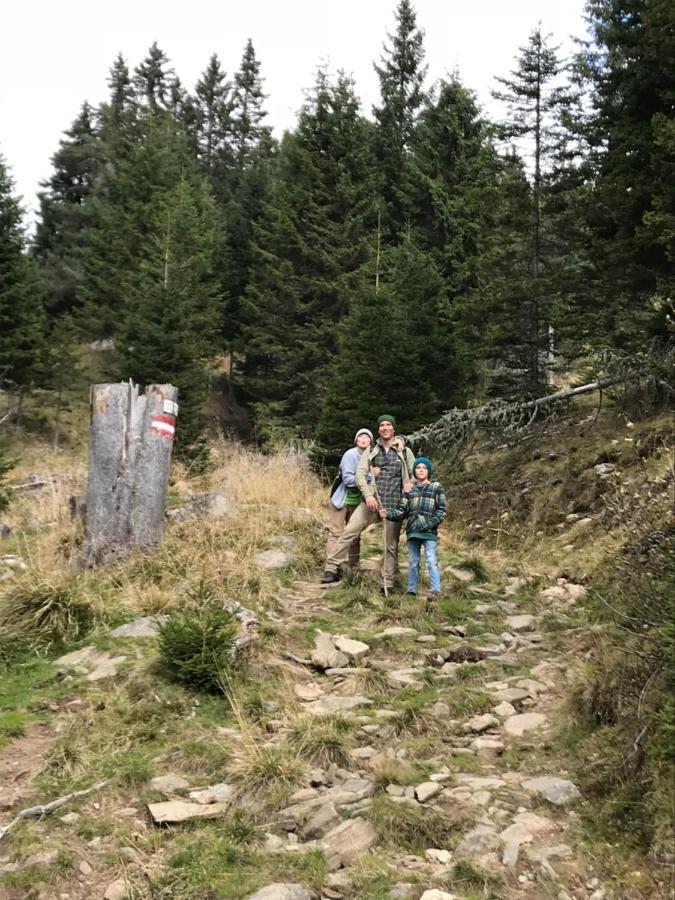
{"points": [[372, 504], [383, 513], [375, 471], [407, 487]]}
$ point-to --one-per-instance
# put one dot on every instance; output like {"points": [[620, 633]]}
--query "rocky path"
{"points": [[433, 770], [487, 773]]}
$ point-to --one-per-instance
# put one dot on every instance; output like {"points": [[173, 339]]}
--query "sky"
{"points": [[54, 54]]}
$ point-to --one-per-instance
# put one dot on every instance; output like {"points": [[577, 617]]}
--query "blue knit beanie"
{"points": [[426, 461]]}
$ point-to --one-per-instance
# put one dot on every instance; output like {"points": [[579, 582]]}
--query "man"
{"points": [[391, 472]]}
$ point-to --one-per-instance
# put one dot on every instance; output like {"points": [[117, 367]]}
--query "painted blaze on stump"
{"points": [[130, 445]]}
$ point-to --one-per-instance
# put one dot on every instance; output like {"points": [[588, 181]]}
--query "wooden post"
{"points": [[130, 446]]}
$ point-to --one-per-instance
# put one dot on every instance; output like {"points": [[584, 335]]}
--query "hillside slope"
{"points": [[506, 742]]}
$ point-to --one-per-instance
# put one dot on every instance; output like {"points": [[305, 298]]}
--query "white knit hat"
{"points": [[363, 431]]}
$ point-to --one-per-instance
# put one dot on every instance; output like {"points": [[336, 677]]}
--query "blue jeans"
{"points": [[431, 557]]}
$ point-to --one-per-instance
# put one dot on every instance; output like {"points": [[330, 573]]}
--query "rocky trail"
{"points": [[447, 775]]}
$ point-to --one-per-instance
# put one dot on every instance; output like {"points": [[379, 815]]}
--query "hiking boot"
{"points": [[434, 595], [329, 577]]}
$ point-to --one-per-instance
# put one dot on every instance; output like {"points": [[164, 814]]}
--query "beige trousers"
{"points": [[360, 519], [337, 520]]}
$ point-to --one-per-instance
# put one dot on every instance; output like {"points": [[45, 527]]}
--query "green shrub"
{"points": [[197, 648]]}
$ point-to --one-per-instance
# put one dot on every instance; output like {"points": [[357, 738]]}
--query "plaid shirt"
{"points": [[389, 482], [424, 508]]}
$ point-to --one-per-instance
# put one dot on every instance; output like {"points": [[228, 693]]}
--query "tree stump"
{"points": [[130, 445]]}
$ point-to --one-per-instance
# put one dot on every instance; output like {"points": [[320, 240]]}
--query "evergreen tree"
{"points": [[630, 209], [212, 104], [171, 327], [247, 107], [455, 171], [534, 101], [63, 371], [152, 276], [153, 79], [65, 214], [117, 116], [5, 466], [388, 353], [21, 316], [311, 235], [492, 317], [401, 74]]}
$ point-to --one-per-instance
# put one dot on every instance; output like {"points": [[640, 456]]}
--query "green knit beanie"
{"points": [[386, 419]]}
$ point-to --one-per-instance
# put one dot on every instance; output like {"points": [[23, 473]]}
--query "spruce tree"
{"points": [[153, 78], [21, 315], [391, 353], [65, 213], [153, 268], [311, 236], [628, 67], [401, 74], [534, 101], [213, 106], [248, 109]]}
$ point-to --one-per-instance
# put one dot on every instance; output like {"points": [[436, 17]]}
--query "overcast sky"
{"points": [[54, 54]]}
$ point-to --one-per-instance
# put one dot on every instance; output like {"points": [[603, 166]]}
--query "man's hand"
{"points": [[407, 487], [375, 471], [372, 504], [382, 512]]}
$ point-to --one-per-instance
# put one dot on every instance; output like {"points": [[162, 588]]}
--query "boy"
{"points": [[424, 508]]}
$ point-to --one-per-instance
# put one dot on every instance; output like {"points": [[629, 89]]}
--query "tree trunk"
{"points": [[131, 440]]}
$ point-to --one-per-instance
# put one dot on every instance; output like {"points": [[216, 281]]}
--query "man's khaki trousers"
{"points": [[361, 518]]}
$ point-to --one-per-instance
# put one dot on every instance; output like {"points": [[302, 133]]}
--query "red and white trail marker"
{"points": [[164, 426]]}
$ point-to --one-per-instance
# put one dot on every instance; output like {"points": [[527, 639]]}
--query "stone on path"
{"points": [[436, 894], [214, 793], [479, 724], [558, 791], [461, 574], [117, 890], [534, 823], [397, 631], [351, 648], [281, 891], [325, 654], [143, 626], [274, 559], [427, 790], [440, 710], [520, 623], [444, 857], [511, 695], [333, 703], [308, 691], [349, 841], [169, 784], [480, 840], [487, 746], [504, 709], [519, 724], [325, 818], [479, 782], [173, 812], [99, 662]]}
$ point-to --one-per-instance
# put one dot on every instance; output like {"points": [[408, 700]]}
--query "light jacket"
{"points": [[348, 464], [368, 488]]}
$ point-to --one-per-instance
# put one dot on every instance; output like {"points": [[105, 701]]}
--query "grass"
{"points": [[267, 772], [322, 740], [12, 724], [408, 827], [46, 610]]}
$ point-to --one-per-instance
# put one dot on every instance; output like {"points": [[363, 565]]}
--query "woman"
{"points": [[343, 501]]}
